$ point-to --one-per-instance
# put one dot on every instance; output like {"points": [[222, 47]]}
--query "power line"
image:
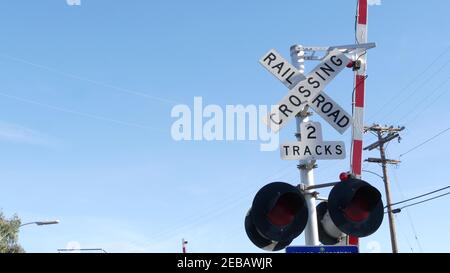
{"points": [[398, 94], [397, 184], [426, 141], [410, 220], [419, 196], [403, 234], [73, 76], [426, 107], [426, 200], [65, 110], [222, 206], [418, 88], [416, 108]]}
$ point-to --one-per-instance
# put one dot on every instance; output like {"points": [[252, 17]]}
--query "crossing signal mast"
{"points": [[280, 212]]}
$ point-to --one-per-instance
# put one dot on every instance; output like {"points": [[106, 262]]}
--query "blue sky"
{"points": [[85, 100]]}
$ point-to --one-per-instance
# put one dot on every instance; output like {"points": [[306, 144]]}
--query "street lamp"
{"points": [[38, 223], [42, 223]]}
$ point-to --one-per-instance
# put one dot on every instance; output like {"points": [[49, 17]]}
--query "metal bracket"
{"points": [[308, 166], [354, 49], [319, 186], [304, 113]]}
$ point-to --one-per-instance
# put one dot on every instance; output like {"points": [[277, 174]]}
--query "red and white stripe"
{"points": [[358, 106]]}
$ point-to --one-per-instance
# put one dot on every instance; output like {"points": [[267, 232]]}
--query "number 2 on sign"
{"points": [[312, 133]]}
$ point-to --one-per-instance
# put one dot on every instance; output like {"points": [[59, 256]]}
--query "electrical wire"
{"points": [[397, 221], [426, 200], [408, 214], [232, 200], [425, 142], [419, 196], [418, 88], [414, 118], [418, 76], [416, 108], [73, 76], [78, 113]]}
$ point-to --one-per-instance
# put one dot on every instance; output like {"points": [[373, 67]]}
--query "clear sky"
{"points": [[86, 96]]}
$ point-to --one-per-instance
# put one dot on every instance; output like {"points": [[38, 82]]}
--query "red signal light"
{"points": [[278, 215], [344, 176], [358, 210], [284, 211]]}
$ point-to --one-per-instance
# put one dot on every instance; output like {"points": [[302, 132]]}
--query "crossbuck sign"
{"points": [[307, 90]]}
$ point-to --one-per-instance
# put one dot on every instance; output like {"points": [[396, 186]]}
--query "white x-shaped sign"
{"points": [[307, 90]]}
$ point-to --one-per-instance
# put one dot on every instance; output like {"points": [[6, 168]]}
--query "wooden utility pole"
{"points": [[385, 134]]}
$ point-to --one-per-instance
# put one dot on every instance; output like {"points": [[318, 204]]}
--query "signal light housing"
{"points": [[278, 215], [259, 240], [329, 234], [356, 207]]}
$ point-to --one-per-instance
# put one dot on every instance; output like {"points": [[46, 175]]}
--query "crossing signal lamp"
{"points": [[355, 207], [279, 213]]}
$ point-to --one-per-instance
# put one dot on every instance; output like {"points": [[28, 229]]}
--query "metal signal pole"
{"points": [[392, 133], [306, 167], [358, 97]]}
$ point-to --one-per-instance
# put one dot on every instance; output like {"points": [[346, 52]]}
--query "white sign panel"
{"points": [[331, 112], [282, 69], [308, 91], [311, 146]]}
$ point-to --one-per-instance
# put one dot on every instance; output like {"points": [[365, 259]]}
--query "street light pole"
{"points": [[38, 223], [41, 223]]}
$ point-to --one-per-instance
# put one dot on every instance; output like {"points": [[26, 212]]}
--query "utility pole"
{"points": [[385, 135]]}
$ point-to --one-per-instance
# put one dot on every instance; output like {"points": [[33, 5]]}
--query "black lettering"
{"points": [[308, 93], [328, 105], [285, 72], [318, 74], [271, 118], [314, 83], [297, 102], [286, 149], [319, 100], [338, 149], [335, 114], [312, 134], [288, 79], [317, 151], [295, 150], [271, 58], [283, 108], [327, 150], [343, 121], [279, 66], [327, 69], [336, 61], [307, 151]]}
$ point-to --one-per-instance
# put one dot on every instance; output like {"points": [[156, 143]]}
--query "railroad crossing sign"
{"points": [[311, 146], [307, 90]]}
